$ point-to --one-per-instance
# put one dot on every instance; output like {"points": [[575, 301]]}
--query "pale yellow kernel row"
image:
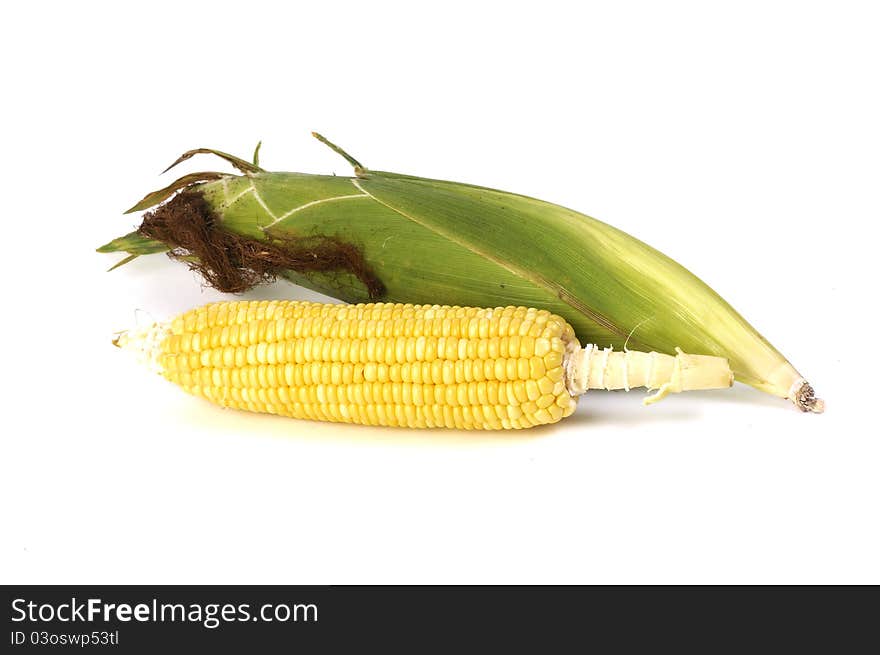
{"points": [[461, 417], [378, 350], [240, 361], [513, 394], [436, 372], [416, 341], [241, 311], [271, 320], [281, 329]]}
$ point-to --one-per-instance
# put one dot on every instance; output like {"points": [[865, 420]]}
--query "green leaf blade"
{"points": [[133, 243]]}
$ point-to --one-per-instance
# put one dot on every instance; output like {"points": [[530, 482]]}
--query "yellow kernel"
{"points": [[450, 395], [253, 332], [527, 347], [462, 371], [492, 392], [532, 391], [545, 401], [512, 369], [555, 373], [553, 359], [461, 394], [314, 348], [448, 376], [543, 416], [542, 346], [431, 372], [505, 395], [272, 350], [529, 408], [537, 369], [483, 349]]}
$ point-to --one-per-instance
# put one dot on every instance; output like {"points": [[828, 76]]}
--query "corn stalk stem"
{"points": [[595, 368]]}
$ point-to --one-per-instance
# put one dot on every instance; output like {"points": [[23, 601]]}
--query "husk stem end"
{"points": [[805, 399]]}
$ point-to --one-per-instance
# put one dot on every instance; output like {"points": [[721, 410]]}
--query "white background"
{"points": [[741, 138]]}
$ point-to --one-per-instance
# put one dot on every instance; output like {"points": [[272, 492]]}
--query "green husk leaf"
{"points": [[237, 162], [256, 157], [358, 167], [123, 262], [134, 243], [154, 198]]}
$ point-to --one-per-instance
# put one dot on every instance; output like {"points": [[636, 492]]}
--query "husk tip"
{"points": [[805, 399]]}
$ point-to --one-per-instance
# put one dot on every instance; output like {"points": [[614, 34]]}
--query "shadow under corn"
{"points": [[595, 409]]}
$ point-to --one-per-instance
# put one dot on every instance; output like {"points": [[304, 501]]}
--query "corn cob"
{"points": [[399, 238], [401, 365]]}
